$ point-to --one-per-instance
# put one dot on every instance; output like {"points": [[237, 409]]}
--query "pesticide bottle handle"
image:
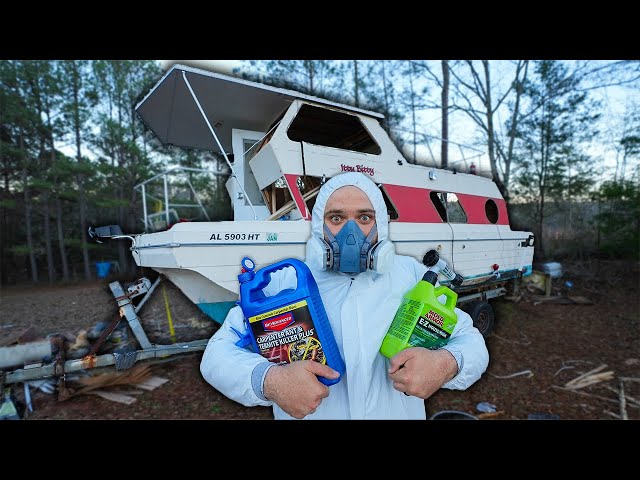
{"points": [[264, 279], [452, 296], [265, 273]]}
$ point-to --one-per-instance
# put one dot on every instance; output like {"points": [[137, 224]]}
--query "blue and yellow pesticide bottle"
{"points": [[421, 320], [291, 325]]}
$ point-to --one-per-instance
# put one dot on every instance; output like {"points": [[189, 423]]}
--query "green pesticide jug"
{"points": [[421, 320]]}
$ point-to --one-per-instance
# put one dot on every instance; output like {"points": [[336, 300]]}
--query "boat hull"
{"points": [[203, 259]]}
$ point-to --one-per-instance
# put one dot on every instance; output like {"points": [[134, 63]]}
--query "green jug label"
{"points": [[430, 331], [406, 315], [287, 334]]}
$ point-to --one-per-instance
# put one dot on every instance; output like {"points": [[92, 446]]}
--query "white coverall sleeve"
{"points": [[228, 367], [470, 351]]}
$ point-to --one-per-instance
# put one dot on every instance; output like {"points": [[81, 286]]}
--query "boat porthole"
{"points": [[491, 210]]}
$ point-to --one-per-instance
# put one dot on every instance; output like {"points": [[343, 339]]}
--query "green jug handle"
{"points": [[452, 297]]}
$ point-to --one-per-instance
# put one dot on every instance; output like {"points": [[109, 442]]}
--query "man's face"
{"points": [[349, 203]]}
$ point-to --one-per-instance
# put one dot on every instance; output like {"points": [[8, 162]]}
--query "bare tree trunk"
{"points": [[386, 97], [63, 253], [311, 75], [598, 224], [356, 83], [444, 146], [482, 89], [83, 228], [80, 177], [51, 271], [58, 207], [491, 139], [413, 114], [28, 214], [28, 209], [514, 124], [4, 234], [122, 253], [541, 188]]}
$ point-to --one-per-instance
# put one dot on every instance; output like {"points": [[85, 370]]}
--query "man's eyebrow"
{"points": [[333, 211], [340, 211]]}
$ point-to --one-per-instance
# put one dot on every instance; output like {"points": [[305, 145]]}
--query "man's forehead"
{"points": [[348, 196]]}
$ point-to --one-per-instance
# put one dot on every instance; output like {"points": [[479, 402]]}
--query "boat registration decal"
{"points": [[235, 236]]}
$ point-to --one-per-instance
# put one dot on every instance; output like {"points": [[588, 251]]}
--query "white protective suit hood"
{"points": [[383, 251]]}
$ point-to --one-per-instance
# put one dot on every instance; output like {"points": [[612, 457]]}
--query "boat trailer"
{"points": [[59, 367]]}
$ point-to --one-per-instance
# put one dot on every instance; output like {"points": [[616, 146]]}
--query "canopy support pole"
{"points": [[233, 172]]}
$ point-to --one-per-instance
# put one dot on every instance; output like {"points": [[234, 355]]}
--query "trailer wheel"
{"points": [[482, 315]]}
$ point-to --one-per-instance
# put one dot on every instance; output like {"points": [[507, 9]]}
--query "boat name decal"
{"points": [[357, 168], [235, 236]]}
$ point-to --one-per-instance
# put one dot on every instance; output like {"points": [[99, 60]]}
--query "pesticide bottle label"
{"points": [[287, 334], [429, 331], [406, 315]]}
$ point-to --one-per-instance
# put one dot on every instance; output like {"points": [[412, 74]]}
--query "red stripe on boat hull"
{"points": [[414, 205]]}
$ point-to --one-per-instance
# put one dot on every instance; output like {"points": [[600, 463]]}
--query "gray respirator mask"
{"points": [[349, 248], [350, 251]]}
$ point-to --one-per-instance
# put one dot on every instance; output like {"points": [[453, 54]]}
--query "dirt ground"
{"points": [[555, 343]]}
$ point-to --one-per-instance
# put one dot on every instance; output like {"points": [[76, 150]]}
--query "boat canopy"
{"points": [[178, 108]]}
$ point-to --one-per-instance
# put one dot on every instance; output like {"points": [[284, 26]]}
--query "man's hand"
{"points": [[295, 387], [421, 372]]}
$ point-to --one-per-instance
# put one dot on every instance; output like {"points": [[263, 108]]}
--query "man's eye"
{"points": [[335, 218], [365, 218]]}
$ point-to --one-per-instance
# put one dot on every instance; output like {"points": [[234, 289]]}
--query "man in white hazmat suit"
{"points": [[361, 299]]}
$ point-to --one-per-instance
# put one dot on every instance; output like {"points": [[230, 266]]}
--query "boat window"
{"points": [[277, 195], [391, 209], [330, 128], [491, 210], [448, 207], [279, 200]]}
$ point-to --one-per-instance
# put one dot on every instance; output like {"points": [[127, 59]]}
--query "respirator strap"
{"points": [[366, 248], [333, 248]]}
